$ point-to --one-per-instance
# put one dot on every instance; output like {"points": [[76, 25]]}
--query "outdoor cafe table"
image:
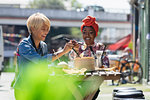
{"points": [[95, 78]]}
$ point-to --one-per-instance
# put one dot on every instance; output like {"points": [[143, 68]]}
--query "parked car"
{"points": [[96, 8]]}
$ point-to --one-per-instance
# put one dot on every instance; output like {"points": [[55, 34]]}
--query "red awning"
{"points": [[120, 44]]}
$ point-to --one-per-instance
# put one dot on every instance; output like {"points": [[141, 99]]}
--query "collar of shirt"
{"points": [[85, 47], [38, 50]]}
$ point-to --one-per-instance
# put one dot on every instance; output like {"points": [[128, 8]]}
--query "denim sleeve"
{"points": [[28, 52]]}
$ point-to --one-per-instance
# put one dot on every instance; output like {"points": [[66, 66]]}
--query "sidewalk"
{"points": [[6, 93], [106, 90]]}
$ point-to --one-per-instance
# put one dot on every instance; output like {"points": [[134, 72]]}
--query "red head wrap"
{"points": [[90, 21]]}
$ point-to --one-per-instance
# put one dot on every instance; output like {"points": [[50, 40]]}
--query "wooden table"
{"points": [[91, 82]]}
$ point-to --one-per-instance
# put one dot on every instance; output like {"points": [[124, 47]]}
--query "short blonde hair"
{"points": [[36, 21]]}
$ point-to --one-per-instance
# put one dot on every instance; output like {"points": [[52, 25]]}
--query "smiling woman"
{"points": [[87, 50], [89, 30], [34, 50], [38, 26]]}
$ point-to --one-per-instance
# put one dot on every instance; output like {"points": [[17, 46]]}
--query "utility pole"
{"points": [[148, 40]]}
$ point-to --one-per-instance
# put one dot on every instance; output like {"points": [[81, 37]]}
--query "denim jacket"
{"points": [[27, 53]]}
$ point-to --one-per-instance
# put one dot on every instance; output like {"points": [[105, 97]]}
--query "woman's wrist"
{"points": [[65, 51]]}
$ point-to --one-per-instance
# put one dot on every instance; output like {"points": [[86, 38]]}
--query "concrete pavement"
{"points": [[6, 93]]}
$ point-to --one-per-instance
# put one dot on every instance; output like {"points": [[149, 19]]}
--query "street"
{"points": [[6, 93]]}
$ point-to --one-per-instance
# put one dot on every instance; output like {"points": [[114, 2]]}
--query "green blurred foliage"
{"points": [[43, 83], [48, 4], [75, 4], [64, 58], [130, 45], [53, 4], [76, 32]]}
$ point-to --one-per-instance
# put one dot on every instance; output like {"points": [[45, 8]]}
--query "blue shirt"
{"points": [[27, 53]]}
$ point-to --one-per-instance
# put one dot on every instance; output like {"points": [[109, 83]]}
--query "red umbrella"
{"points": [[120, 44]]}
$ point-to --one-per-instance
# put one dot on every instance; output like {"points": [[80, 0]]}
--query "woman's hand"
{"points": [[68, 46], [76, 45], [71, 44]]}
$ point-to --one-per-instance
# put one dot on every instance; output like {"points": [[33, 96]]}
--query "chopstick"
{"points": [[56, 55], [93, 52]]}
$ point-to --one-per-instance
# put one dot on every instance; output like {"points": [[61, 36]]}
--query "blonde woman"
{"points": [[33, 49]]}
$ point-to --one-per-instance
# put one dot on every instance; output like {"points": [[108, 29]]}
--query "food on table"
{"points": [[85, 62], [74, 71], [106, 69], [63, 65]]}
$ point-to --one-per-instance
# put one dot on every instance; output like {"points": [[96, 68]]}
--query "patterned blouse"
{"points": [[85, 51]]}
